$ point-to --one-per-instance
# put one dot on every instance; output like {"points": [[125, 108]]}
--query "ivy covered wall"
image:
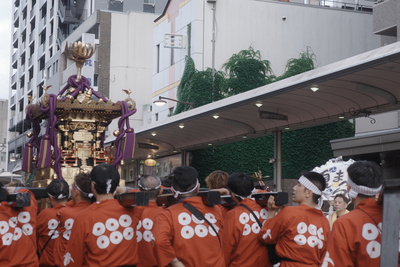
{"points": [[301, 150]]}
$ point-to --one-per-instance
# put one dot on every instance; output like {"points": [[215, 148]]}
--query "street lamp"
{"points": [[160, 102]]}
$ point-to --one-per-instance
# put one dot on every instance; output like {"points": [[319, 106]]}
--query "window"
{"points": [[156, 116], [149, 2], [171, 111], [3, 156]]}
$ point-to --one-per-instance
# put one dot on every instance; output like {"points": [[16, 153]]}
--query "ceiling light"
{"points": [[216, 116], [341, 117], [287, 128], [181, 125], [150, 162], [153, 134], [210, 144], [160, 102], [244, 136], [259, 104], [175, 151], [314, 88]]}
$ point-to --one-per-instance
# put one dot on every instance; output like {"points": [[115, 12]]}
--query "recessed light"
{"points": [[181, 125], [153, 133], [216, 116], [259, 104], [314, 88], [210, 144]]}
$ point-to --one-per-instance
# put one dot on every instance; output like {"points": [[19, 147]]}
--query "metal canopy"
{"points": [[368, 83]]}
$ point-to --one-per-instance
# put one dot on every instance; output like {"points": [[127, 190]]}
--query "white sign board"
{"points": [[335, 174]]}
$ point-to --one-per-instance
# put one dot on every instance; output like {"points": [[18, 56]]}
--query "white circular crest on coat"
{"points": [[246, 229], [300, 240], [201, 230], [147, 224], [210, 217], [68, 224], [98, 229], [12, 222], [302, 228], [255, 228], [116, 237], [52, 224], [24, 217], [369, 231], [7, 239], [67, 234], [27, 229], [244, 218], [184, 218], [17, 233], [112, 224], [374, 249], [125, 220], [4, 227], [103, 242], [147, 236], [187, 232]]}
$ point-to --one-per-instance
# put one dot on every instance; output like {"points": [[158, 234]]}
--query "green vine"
{"points": [[301, 150]]}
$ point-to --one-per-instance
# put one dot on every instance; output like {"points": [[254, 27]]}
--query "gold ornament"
{"points": [[116, 133], [30, 134]]}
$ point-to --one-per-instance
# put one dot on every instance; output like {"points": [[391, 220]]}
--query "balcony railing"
{"points": [[14, 78], [16, 14], [14, 56], [31, 36], [42, 23]]}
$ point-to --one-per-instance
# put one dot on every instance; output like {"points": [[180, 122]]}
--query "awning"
{"points": [[365, 84]]}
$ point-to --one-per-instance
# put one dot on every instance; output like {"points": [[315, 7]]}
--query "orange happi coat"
{"points": [[18, 234], [66, 218], [103, 235], [300, 234], [356, 237], [179, 234], [241, 246]]}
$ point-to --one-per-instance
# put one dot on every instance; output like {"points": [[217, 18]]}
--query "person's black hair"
{"points": [[366, 173], [318, 180], [3, 193], [105, 177], [83, 181], [150, 184], [58, 189], [345, 199], [184, 178], [166, 182], [240, 183]]}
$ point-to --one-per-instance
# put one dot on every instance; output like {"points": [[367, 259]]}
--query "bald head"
{"points": [[151, 184]]}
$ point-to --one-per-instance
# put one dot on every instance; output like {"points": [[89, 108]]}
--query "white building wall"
{"points": [[131, 61], [332, 34]]}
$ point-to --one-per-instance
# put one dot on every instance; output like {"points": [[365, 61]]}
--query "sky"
{"points": [[5, 44]]}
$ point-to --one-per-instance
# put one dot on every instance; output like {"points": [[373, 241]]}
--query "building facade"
{"points": [[40, 30], [279, 30]]}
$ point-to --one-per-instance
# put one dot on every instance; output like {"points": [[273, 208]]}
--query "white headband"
{"points": [[60, 196], [310, 186], [361, 189], [177, 193], [80, 190], [249, 196]]}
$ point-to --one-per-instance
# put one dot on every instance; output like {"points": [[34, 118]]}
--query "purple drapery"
{"points": [[130, 138]]}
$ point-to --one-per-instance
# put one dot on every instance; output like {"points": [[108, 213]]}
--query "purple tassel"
{"points": [[129, 145], [27, 159], [44, 159]]}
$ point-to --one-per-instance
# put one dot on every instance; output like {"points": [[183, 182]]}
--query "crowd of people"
{"points": [[87, 226]]}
